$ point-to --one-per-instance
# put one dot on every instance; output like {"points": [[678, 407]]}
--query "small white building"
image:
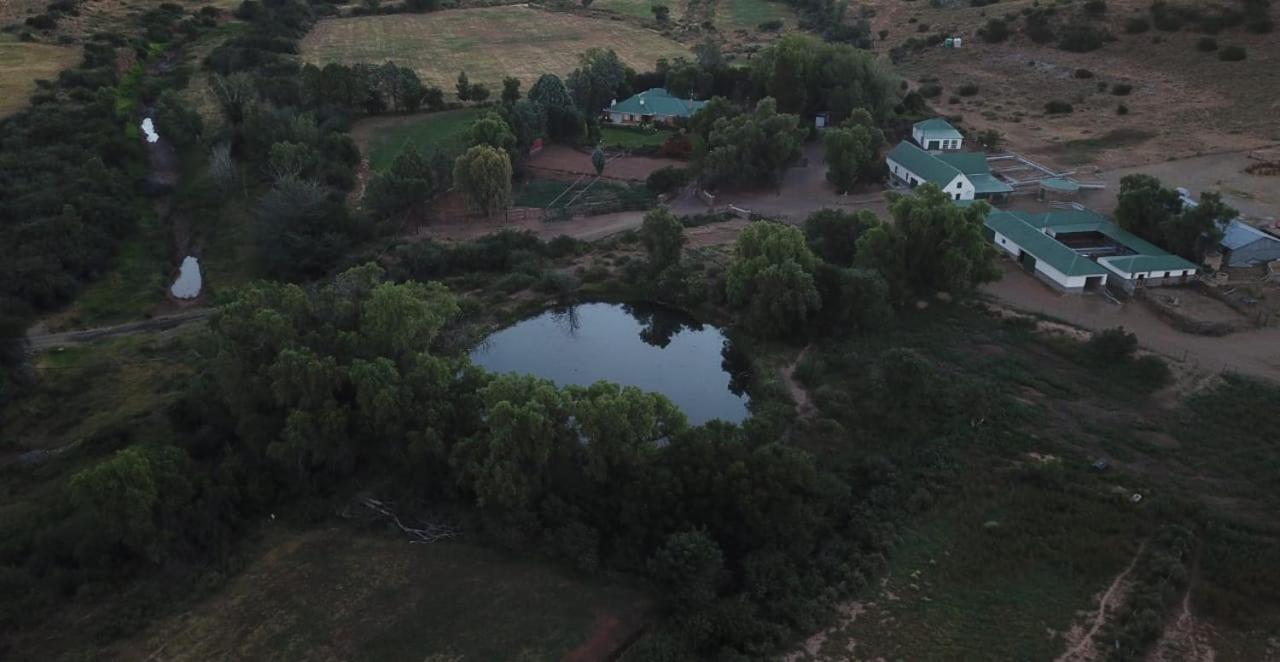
{"points": [[937, 134], [962, 176]]}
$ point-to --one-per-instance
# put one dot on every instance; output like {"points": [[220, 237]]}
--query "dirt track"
{"points": [[39, 342], [1255, 352]]}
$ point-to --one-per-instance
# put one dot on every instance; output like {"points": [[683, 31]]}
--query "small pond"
{"points": [[650, 347]]}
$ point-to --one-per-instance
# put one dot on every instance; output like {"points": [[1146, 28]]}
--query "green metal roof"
{"points": [[969, 163], [988, 184], [923, 163], [657, 101], [1042, 246], [938, 129], [1131, 264], [1060, 184]]}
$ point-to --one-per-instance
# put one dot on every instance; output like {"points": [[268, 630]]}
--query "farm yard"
{"points": [[1178, 101], [22, 63], [488, 43]]}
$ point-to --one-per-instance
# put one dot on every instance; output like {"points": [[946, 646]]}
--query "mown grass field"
{"points": [[624, 138], [381, 139], [488, 43], [341, 594], [22, 63], [639, 8], [749, 14]]}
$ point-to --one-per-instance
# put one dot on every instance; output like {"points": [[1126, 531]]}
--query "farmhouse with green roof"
{"points": [[961, 175], [937, 134], [653, 105], [1078, 251]]}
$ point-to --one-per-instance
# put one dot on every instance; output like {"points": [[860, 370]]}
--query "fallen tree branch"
{"points": [[425, 533]]}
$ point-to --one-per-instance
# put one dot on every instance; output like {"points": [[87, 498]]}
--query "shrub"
{"points": [[1095, 7], [1122, 109], [770, 26], [1058, 107], [514, 282], [930, 90], [1121, 89], [42, 22], [1038, 27], [1083, 74], [1111, 345], [1232, 54], [667, 179], [1262, 25], [1137, 25], [560, 284], [1207, 44], [994, 32], [1082, 38], [967, 90]]}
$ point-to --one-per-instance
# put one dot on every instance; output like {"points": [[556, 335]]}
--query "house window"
{"points": [[959, 185]]}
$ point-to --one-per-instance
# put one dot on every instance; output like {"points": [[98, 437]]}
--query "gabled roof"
{"points": [[1238, 234], [1131, 264], [1042, 246], [923, 164], [657, 101], [988, 184], [938, 129], [970, 163]]}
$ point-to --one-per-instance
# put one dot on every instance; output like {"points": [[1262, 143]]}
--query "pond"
{"points": [[650, 347]]}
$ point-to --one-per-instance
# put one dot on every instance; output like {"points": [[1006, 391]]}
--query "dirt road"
{"points": [[1254, 352], [38, 342]]}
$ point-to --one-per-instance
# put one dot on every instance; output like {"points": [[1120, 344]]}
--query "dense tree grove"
{"points": [[750, 149], [931, 246], [772, 277], [1157, 214], [853, 152], [806, 75]]}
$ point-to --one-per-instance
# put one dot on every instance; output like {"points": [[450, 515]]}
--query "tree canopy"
{"points": [[932, 245], [751, 149], [483, 174], [1155, 213], [771, 277]]}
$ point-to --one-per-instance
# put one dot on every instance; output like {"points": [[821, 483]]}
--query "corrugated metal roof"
{"points": [[937, 128], [1131, 264], [1239, 234], [657, 101], [923, 163], [1042, 246], [988, 184], [969, 163]]}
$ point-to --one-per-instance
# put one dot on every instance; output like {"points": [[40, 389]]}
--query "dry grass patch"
{"points": [[22, 63], [488, 43]]}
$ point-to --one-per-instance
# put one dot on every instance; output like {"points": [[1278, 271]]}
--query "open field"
{"points": [[749, 14], [488, 43], [382, 138], [22, 63], [340, 594], [1183, 102], [639, 8]]}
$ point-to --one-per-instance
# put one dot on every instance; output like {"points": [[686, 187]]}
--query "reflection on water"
{"points": [[646, 346]]}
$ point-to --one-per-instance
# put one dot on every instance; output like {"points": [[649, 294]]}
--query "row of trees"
{"points": [[1155, 213]]}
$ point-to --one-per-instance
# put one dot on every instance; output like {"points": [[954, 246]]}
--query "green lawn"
{"points": [[383, 138], [542, 192], [341, 594], [631, 138], [749, 14], [639, 8]]}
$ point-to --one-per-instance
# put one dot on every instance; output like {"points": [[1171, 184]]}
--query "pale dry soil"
{"points": [[488, 43]]}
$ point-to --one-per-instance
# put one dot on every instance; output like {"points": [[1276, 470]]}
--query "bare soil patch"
{"points": [[1081, 637], [568, 163]]}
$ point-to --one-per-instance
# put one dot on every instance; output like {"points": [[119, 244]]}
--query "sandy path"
{"points": [[1084, 649], [804, 406], [38, 342], [1253, 352]]}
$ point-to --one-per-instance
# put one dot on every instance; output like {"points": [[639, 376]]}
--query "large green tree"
{"points": [[663, 237], [932, 245], [483, 174], [771, 278], [853, 152], [1151, 211], [406, 188], [751, 149], [833, 234], [807, 75]]}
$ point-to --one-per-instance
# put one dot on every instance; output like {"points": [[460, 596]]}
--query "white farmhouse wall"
{"points": [[1006, 244], [1063, 280], [960, 185]]}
